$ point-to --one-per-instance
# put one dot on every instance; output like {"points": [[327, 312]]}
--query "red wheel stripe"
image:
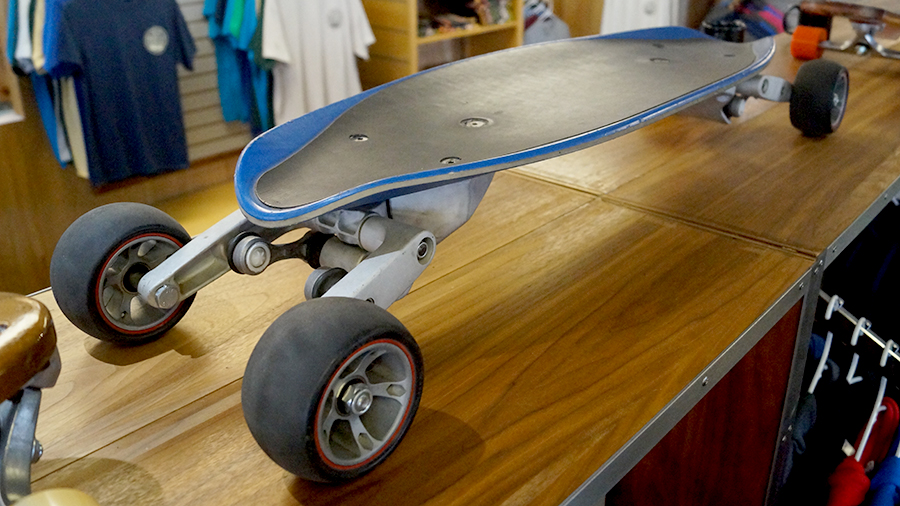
{"points": [[402, 420]]}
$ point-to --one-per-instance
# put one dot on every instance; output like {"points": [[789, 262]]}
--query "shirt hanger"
{"points": [[822, 366], [861, 324]]}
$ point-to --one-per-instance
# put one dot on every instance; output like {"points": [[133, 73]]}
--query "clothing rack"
{"points": [[854, 321]]}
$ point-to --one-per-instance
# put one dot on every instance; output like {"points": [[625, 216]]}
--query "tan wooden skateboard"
{"points": [[811, 22], [29, 362]]}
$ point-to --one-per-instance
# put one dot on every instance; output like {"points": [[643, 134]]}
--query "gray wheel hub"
{"points": [[364, 404], [117, 293]]}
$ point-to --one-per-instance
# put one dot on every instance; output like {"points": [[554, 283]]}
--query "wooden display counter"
{"points": [[625, 324]]}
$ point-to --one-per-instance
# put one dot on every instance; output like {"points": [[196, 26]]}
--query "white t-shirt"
{"points": [[316, 43], [72, 121], [23, 40]]}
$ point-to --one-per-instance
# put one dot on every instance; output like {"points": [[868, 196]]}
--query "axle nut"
{"points": [[167, 296], [251, 255]]}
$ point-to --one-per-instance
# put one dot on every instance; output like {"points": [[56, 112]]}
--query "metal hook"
{"points": [[860, 325], [865, 438], [888, 348], [835, 303], [822, 363]]}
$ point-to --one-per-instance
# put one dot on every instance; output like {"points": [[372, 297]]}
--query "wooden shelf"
{"points": [[469, 32], [397, 49]]}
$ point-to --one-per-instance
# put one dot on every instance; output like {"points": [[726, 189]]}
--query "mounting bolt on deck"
{"points": [[475, 122]]}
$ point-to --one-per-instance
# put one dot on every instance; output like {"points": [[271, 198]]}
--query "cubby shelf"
{"points": [[397, 50]]}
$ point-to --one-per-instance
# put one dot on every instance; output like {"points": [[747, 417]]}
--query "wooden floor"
{"points": [[200, 210], [586, 294]]}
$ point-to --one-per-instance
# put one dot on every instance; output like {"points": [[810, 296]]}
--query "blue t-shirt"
{"points": [[12, 31], [232, 72], [46, 94], [243, 86], [123, 56]]}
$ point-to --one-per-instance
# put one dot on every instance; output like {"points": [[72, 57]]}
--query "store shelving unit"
{"points": [[398, 47]]}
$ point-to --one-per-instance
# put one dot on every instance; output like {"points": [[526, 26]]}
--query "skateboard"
{"points": [[29, 362], [378, 180], [810, 23]]}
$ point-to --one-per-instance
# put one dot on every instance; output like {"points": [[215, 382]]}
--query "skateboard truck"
{"points": [[810, 26], [730, 103], [392, 255], [372, 252], [29, 362], [864, 41], [18, 447], [381, 257]]}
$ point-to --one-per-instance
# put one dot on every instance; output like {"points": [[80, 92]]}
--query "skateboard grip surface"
{"points": [[498, 111]]}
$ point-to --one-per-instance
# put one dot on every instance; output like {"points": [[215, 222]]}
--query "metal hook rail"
{"points": [[863, 331]]}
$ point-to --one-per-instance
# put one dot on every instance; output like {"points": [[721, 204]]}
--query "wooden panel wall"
{"points": [[394, 53], [582, 16], [39, 200], [696, 11], [704, 460]]}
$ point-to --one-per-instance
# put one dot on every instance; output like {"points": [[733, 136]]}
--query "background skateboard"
{"points": [[811, 25]]}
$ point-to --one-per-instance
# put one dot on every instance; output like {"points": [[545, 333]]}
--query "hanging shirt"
{"points": [[243, 85], [46, 95], [848, 483], [261, 110], [123, 56], [234, 16], [12, 30], [37, 35], [885, 487], [316, 43], [72, 120], [23, 52], [23, 38]]}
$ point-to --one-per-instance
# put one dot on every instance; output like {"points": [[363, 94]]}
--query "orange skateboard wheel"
{"points": [[805, 43]]}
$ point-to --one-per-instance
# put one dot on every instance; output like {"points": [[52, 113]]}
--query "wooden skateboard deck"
{"points": [[871, 12]]}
